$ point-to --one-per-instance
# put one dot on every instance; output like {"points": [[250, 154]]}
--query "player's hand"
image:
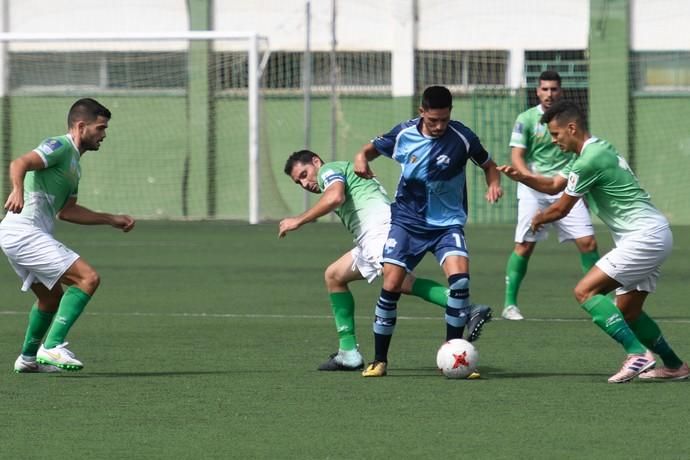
{"points": [[511, 172], [361, 167], [536, 224], [123, 222], [493, 193], [286, 225], [15, 201]]}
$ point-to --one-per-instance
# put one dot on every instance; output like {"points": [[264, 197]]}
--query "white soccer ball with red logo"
{"points": [[457, 359]]}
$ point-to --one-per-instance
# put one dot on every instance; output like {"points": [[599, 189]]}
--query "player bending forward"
{"points": [[364, 209], [641, 233]]}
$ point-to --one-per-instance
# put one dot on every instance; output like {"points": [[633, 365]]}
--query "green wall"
{"points": [[142, 164]]}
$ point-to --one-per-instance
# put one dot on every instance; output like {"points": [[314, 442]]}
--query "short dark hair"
{"points": [[565, 111], [301, 156], [86, 109], [437, 97], [550, 75]]}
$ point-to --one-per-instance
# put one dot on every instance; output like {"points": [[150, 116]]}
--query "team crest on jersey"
{"points": [[390, 245], [49, 146], [413, 159]]}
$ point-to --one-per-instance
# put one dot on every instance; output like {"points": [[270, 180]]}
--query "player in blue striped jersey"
{"points": [[429, 212]]}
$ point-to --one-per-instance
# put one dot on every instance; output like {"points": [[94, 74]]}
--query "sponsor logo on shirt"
{"points": [[443, 161], [49, 146], [517, 129]]}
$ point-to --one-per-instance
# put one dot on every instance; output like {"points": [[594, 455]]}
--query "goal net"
{"points": [[185, 138]]}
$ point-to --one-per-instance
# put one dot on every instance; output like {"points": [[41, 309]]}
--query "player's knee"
{"points": [[333, 278], [587, 244], [582, 293], [524, 249], [90, 281]]}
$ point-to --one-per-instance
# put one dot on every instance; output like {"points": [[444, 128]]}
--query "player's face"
{"points": [[434, 121], [563, 135], [548, 92], [93, 133], [304, 175]]}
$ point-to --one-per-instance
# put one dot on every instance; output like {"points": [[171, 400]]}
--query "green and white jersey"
{"points": [[366, 204], [46, 190], [542, 156], [612, 190]]}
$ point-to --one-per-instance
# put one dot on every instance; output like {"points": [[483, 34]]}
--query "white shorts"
{"points": [[576, 224], [36, 256], [636, 260], [367, 255]]}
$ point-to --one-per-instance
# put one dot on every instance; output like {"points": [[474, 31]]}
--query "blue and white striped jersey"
{"points": [[432, 192]]}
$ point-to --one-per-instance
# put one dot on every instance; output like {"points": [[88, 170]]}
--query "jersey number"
{"points": [[460, 241]]}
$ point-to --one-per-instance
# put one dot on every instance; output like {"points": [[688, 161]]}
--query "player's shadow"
{"points": [[491, 373], [125, 374]]}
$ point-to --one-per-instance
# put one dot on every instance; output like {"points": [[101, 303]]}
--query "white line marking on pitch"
{"points": [[276, 316]]}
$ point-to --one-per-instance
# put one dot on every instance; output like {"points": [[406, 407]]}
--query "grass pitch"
{"points": [[203, 340]]}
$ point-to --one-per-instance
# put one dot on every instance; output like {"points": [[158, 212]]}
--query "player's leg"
{"points": [[456, 269], [644, 262], [516, 267], [40, 318], [427, 289], [337, 276], [649, 333], [385, 318], [591, 292], [577, 227], [83, 281]]}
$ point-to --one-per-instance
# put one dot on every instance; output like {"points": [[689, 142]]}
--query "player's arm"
{"points": [[556, 211], [30, 161], [550, 185], [331, 198], [77, 214], [493, 181], [362, 158]]}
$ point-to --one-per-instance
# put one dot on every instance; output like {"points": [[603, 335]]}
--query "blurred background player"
{"points": [[45, 183], [364, 209], [429, 211], [532, 152], [641, 233]]}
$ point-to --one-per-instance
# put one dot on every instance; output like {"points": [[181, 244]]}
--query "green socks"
{"points": [[431, 291], [71, 305], [588, 259], [609, 318], [515, 273], [343, 305], [39, 322], [647, 331]]}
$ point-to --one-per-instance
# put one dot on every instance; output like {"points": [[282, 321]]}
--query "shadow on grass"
{"points": [[126, 374], [490, 373]]}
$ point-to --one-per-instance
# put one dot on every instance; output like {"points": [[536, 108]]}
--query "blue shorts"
{"points": [[406, 248]]}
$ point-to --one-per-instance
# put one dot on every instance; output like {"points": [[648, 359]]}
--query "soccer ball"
{"points": [[457, 358]]}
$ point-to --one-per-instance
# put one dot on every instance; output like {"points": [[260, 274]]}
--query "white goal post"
{"points": [[255, 46]]}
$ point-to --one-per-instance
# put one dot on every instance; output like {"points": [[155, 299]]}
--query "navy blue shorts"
{"points": [[406, 248]]}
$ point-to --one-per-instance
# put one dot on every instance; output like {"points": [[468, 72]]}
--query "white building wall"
{"points": [[660, 25]]}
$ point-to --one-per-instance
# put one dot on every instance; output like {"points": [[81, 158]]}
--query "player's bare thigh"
{"points": [[341, 272], [48, 299], [594, 282]]}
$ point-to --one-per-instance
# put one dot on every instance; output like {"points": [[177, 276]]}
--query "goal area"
{"points": [[184, 140]]}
